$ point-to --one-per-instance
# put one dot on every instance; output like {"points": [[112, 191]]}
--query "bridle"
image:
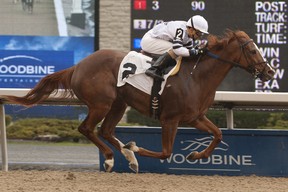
{"points": [[251, 66]]}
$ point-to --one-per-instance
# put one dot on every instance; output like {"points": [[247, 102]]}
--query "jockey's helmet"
{"points": [[198, 22]]}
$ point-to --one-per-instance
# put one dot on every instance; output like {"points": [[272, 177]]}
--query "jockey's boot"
{"points": [[155, 71]]}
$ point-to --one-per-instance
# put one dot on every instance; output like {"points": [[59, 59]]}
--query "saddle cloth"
{"points": [[132, 71]]}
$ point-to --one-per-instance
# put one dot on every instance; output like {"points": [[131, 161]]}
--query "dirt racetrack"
{"points": [[65, 181]]}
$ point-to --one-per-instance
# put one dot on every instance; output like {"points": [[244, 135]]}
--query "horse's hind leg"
{"points": [[87, 128], [107, 132]]}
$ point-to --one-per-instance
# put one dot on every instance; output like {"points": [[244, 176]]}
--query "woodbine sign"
{"points": [[24, 69], [242, 152]]}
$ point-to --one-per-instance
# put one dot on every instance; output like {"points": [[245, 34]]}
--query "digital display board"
{"points": [[53, 36], [264, 21]]}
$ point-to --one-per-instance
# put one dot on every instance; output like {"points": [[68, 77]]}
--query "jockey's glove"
{"points": [[202, 51], [200, 47], [193, 52], [201, 44]]}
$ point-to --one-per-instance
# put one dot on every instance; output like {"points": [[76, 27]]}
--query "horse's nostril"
{"points": [[271, 72]]}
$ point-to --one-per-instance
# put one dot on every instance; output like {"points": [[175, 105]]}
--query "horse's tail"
{"points": [[48, 85]]}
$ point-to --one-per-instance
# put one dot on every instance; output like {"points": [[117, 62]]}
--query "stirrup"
{"points": [[153, 74]]}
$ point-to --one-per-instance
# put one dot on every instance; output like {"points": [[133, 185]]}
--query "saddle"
{"points": [[167, 70]]}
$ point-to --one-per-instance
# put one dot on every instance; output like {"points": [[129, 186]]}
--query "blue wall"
{"points": [[46, 111], [242, 152]]}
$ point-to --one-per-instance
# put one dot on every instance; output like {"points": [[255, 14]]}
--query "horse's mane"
{"points": [[220, 42]]}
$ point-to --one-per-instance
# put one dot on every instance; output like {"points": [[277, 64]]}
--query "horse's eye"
{"points": [[253, 52]]}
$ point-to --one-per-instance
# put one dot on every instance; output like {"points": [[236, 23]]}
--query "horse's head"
{"points": [[251, 59]]}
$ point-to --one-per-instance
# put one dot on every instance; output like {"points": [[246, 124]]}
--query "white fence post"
{"points": [[229, 118], [3, 139]]}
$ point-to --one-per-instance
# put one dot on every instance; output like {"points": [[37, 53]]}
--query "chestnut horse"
{"points": [[186, 98]]}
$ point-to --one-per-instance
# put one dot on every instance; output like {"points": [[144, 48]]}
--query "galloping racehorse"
{"points": [[186, 97]]}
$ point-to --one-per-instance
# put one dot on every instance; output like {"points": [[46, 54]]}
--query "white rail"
{"points": [[223, 99]]}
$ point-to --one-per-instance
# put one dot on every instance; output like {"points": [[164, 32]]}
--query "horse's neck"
{"points": [[208, 73]]}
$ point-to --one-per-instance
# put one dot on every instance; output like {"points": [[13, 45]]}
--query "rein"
{"points": [[235, 64], [250, 68]]}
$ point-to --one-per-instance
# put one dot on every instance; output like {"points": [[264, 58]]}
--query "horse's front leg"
{"points": [[204, 124], [169, 130]]}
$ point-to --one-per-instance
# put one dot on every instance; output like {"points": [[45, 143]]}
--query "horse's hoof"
{"points": [[108, 165], [107, 168], [134, 167], [192, 156]]}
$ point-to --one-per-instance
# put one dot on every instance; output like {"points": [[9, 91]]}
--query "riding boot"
{"points": [[155, 71]]}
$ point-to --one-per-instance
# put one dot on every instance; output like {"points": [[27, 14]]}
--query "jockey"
{"points": [[173, 39]]}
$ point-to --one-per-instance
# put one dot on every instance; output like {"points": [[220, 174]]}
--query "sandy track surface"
{"points": [[40, 168], [66, 181]]}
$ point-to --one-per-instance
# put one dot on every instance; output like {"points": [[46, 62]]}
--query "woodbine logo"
{"points": [[178, 160], [23, 67]]}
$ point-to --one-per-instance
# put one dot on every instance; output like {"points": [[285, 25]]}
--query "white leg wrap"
{"points": [[129, 155]]}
